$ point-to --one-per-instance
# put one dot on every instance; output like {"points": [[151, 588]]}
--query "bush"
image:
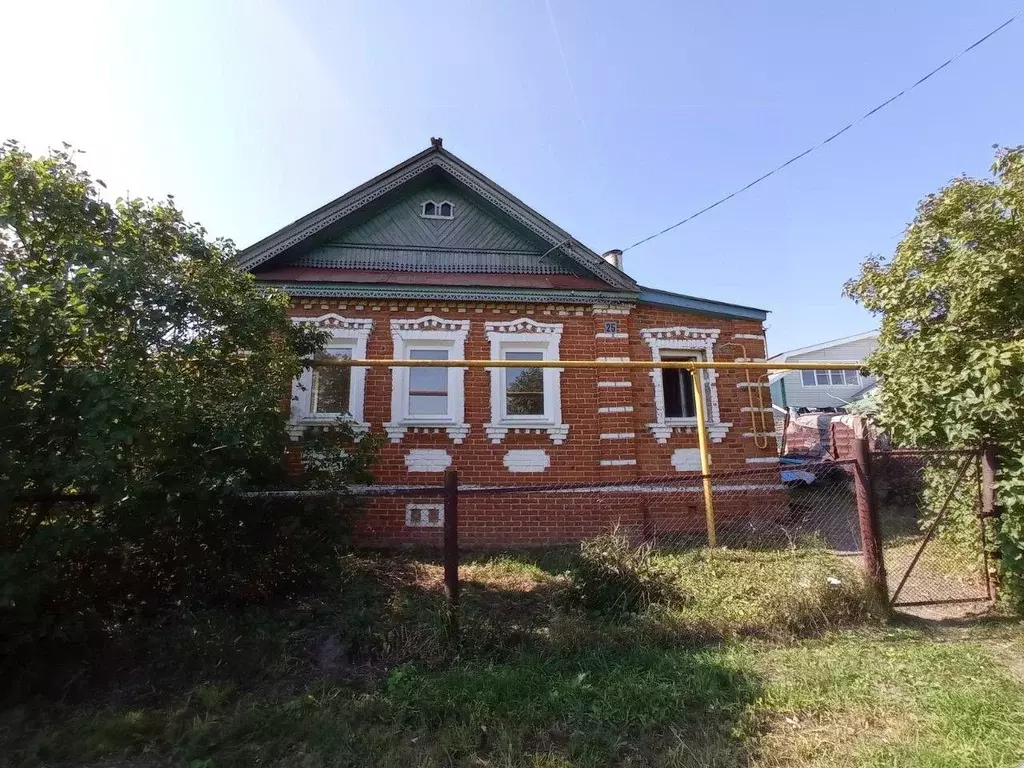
{"points": [[142, 370], [613, 576], [949, 348]]}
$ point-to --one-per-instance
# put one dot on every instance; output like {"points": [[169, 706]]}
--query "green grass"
{"points": [[770, 665]]}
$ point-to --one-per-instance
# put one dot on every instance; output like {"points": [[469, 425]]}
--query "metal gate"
{"points": [[934, 534]]}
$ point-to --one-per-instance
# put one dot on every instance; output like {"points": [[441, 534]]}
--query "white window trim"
{"points": [[699, 340], [346, 333], [859, 382], [437, 209], [525, 334], [428, 333]]}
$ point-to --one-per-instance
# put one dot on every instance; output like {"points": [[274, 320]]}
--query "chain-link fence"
{"points": [[761, 507], [934, 540], [919, 513]]}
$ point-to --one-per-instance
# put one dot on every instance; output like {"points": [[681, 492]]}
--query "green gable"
{"points": [[474, 239]]}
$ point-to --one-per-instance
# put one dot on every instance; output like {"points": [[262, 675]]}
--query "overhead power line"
{"points": [[822, 143]]}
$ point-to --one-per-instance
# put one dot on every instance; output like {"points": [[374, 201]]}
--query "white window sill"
{"points": [[396, 430], [496, 431], [663, 430]]}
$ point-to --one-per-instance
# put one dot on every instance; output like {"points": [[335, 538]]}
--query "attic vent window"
{"points": [[432, 210]]}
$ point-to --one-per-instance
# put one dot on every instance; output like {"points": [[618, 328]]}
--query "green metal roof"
{"points": [[670, 300], [390, 291]]}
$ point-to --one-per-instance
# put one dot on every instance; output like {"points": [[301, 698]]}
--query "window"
{"points": [[432, 210], [332, 386], [830, 378], [674, 405], [328, 393], [524, 387], [677, 387], [428, 399], [428, 387], [525, 399]]}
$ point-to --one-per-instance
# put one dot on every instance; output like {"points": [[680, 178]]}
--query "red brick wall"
{"points": [[479, 461]]}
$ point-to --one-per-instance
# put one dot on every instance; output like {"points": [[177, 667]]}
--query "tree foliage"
{"points": [[140, 368], [951, 345]]}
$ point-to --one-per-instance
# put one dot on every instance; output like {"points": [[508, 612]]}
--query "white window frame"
{"points": [[437, 210], [428, 333], [676, 355], [700, 341], [831, 383], [526, 335], [351, 335]]}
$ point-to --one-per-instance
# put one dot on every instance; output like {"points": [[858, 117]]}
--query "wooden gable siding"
{"points": [[472, 228]]}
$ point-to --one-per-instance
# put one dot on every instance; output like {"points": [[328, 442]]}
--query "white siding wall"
{"points": [[799, 396]]}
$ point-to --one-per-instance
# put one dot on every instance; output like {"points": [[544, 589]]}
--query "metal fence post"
{"points": [[867, 513], [989, 510], [988, 482], [451, 543]]}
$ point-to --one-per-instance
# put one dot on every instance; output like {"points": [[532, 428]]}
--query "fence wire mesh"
{"points": [[927, 505], [757, 508], [632, 543], [933, 540]]}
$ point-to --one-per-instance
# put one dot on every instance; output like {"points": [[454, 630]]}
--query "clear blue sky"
{"points": [[254, 113]]}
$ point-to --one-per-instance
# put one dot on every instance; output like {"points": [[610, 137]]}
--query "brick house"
{"points": [[433, 260]]}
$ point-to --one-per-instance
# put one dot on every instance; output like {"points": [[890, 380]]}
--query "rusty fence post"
{"points": [[451, 545], [867, 513], [988, 482], [989, 511]]}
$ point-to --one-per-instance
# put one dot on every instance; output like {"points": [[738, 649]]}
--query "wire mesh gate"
{"points": [[935, 537]]}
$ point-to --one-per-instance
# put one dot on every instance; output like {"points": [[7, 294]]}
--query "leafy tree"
{"points": [[139, 367], [951, 347]]}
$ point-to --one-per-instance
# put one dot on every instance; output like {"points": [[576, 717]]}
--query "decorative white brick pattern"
{"points": [[613, 359], [763, 460], [427, 460], [615, 409], [618, 462], [615, 384], [611, 335], [686, 459], [617, 435], [527, 461]]}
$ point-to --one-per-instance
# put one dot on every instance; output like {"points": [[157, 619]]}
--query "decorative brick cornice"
{"points": [[523, 325], [650, 335], [430, 323], [332, 321]]}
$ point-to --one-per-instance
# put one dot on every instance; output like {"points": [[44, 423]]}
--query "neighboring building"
{"points": [[432, 260], [823, 389]]}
